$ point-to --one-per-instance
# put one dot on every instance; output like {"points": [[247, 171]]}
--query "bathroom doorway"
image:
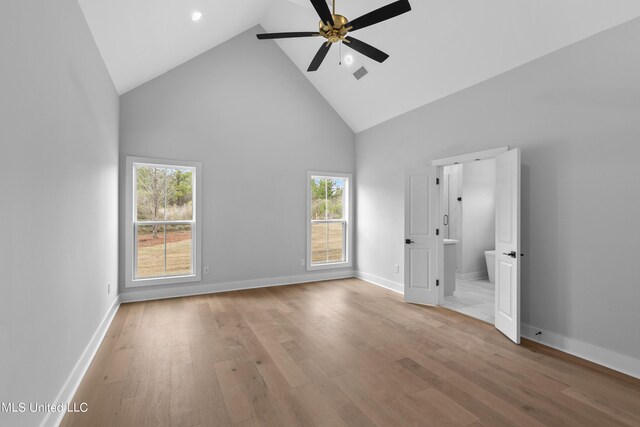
{"points": [[468, 207], [471, 269]]}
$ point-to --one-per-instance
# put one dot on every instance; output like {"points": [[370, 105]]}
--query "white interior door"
{"points": [[507, 307], [421, 239]]}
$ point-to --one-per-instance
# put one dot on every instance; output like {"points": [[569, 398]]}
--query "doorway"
{"points": [[440, 270], [468, 210]]}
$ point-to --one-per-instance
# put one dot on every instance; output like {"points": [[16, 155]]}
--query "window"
{"points": [[162, 229], [328, 221]]}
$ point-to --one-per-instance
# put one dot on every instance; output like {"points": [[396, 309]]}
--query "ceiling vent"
{"points": [[360, 73]]}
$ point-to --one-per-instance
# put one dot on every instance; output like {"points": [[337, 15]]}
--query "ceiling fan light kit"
{"points": [[335, 28]]}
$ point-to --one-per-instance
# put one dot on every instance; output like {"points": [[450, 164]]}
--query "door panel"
{"points": [[505, 199], [507, 306], [506, 284], [419, 188], [421, 253], [419, 273]]}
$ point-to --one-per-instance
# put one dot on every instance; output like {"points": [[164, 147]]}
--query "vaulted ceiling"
{"points": [[440, 47], [142, 39]]}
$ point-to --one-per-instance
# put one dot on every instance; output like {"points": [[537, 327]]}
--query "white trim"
{"points": [[591, 352], [68, 390], [379, 281], [474, 275], [470, 157], [196, 227], [212, 288], [348, 221]]}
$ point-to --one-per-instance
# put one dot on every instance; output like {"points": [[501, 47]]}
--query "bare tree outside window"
{"points": [[328, 222], [164, 215]]}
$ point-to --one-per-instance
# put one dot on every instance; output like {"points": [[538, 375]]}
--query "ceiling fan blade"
{"points": [[317, 60], [267, 36], [323, 10], [385, 12], [366, 49]]}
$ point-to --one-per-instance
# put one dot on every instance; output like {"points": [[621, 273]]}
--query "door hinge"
{"points": [[437, 231], [437, 181], [437, 282]]}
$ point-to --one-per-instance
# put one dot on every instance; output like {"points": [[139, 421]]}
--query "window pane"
{"points": [[319, 243], [150, 256], [327, 198], [327, 242], [318, 198], [179, 256], [150, 193], [335, 198], [179, 194]]}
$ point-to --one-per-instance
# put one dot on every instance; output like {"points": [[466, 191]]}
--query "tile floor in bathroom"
{"points": [[474, 298]]}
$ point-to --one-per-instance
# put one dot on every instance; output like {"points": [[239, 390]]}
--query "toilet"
{"points": [[490, 257]]}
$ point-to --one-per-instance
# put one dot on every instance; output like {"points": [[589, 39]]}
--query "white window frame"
{"points": [[348, 220], [130, 208]]}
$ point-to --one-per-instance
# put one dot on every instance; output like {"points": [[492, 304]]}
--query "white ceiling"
{"points": [[141, 39], [440, 47]]}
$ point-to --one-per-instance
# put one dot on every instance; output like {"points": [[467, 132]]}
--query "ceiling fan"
{"points": [[335, 28]]}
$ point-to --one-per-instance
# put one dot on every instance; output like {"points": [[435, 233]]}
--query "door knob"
{"points": [[512, 254], [408, 241]]}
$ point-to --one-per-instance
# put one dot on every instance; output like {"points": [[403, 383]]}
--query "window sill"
{"points": [[331, 266], [174, 280]]}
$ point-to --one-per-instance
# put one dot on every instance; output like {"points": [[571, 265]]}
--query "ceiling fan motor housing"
{"points": [[336, 32]]}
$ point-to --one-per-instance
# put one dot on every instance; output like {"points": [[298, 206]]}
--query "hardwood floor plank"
{"points": [[209, 397], [132, 412], [184, 408], [481, 411], [287, 366], [340, 402], [158, 396], [137, 379], [440, 409], [622, 415], [234, 389], [381, 413]]}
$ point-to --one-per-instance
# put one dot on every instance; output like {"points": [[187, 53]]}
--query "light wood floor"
{"points": [[334, 353]]}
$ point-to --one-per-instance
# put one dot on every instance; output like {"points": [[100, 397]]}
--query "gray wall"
{"points": [[576, 115], [58, 197], [257, 125]]}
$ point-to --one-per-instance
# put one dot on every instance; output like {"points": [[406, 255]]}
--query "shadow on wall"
{"points": [[525, 227], [543, 270]]}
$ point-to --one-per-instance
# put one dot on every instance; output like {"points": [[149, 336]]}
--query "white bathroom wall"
{"points": [[478, 217], [575, 115], [58, 201]]}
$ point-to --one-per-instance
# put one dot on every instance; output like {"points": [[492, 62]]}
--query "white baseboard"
{"points": [[379, 281], [80, 369], [591, 352], [147, 294], [474, 275]]}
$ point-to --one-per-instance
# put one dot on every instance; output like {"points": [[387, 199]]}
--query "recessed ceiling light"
{"points": [[348, 59], [195, 16]]}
